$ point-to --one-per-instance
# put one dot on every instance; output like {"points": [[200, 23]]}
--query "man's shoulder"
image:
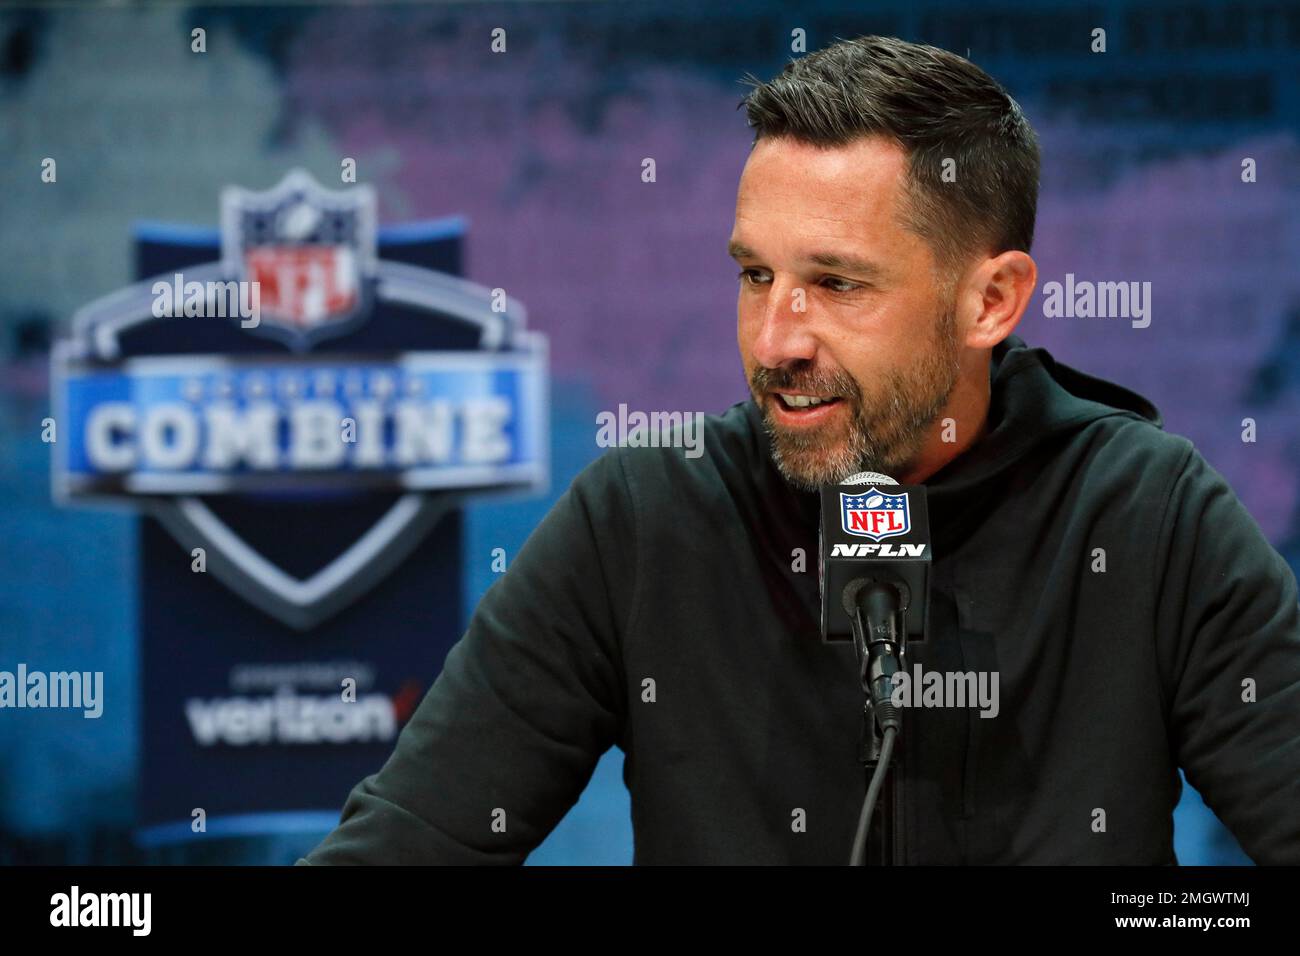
{"points": [[668, 452], [1133, 444], [1138, 465], [647, 488]]}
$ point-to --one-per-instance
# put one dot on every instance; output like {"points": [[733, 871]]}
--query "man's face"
{"points": [[838, 301]]}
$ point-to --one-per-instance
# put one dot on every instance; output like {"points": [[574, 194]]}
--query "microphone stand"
{"points": [[877, 610]]}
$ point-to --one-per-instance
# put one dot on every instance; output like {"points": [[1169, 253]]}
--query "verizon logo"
{"points": [[291, 718]]}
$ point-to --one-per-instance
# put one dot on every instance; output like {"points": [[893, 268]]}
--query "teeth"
{"points": [[801, 401]]}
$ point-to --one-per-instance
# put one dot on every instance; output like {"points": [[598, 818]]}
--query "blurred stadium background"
{"points": [[540, 151]]}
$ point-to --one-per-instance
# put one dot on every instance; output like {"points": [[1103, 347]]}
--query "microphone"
{"points": [[874, 575]]}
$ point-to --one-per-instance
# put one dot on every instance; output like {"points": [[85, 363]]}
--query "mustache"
{"points": [[795, 379]]}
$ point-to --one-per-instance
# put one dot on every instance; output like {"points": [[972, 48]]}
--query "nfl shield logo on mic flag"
{"points": [[874, 514]]}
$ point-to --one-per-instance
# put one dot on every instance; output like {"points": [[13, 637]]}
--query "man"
{"points": [[1134, 615]]}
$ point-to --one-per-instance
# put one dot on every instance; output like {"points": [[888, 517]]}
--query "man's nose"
{"points": [[784, 331]]}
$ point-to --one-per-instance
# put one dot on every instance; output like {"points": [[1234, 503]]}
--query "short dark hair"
{"points": [[934, 104]]}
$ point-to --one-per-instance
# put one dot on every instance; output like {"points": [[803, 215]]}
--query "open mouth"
{"points": [[805, 401], [804, 408]]}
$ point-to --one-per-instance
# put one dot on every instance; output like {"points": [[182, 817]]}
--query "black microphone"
{"points": [[874, 574]]}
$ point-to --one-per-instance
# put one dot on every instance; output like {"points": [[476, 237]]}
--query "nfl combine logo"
{"points": [[874, 514], [372, 382]]}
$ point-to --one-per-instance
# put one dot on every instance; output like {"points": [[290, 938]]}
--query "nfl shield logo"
{"points": [[310, 250], [874, 514]]}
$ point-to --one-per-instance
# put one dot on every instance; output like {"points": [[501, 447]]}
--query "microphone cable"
{"points": [[859, 854]]}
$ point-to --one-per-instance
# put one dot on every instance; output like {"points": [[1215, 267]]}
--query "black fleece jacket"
{"points": [[661, 607]]}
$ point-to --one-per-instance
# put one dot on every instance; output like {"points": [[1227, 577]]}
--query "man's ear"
{"points": [[999, 290]]}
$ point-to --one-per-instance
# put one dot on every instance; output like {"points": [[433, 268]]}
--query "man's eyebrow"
{"points": [[830, 260], [738, 250], [843, 263]]}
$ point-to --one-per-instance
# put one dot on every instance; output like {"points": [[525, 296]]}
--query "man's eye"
{"points": [[839, 285], [751, 276]]}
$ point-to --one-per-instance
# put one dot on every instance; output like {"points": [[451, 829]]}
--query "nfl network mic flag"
{"points": [[297, 403], [869, 528]]}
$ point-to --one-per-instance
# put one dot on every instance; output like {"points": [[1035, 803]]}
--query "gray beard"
{"points": [[863, 450], [884, 439]]}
